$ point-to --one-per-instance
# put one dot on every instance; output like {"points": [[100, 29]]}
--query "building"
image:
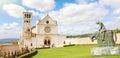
{"points": [[8, 48], [44, 34]]}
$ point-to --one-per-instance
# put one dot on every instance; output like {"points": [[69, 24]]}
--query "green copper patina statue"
{"points": [[104, 37]]}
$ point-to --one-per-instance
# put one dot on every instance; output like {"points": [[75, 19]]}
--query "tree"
{"points": [[117, 30]]}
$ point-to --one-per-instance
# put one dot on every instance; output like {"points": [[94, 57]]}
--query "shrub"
{"points": [[28, 55]]}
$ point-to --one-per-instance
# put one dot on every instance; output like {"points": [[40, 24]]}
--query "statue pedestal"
{"points": [[105, 51]]}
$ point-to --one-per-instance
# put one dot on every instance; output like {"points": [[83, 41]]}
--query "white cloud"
{"points": [[113, 24], [14, 10], [41, 5], [3, 2], [77, 29], [34, 13], [114, 19], [113, 3], [76, 13], [117, 11], [10, 30]]}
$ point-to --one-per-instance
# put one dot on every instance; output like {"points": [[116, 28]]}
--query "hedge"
{"points": [[28, 55]]}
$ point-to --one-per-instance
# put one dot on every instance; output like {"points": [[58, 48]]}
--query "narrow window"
{"points": [[25, 16], [28, 29], [31, 44], [29, 16]]}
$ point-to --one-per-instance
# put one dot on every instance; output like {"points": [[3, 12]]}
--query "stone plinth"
{"points": [[105, 51]]}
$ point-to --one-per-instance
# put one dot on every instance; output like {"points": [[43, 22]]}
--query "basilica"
{"points": [[43, 34]]}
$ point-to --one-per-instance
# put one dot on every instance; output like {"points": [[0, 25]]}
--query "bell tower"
{"points": [[27, 23]]}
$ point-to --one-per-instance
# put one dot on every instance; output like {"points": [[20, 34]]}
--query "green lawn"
{"points": [[81, 51]]}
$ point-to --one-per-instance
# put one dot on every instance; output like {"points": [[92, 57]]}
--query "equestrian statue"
{"points": [[105, 38]]}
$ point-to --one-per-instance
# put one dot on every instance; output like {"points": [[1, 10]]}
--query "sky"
{"points": [[74, 17]]}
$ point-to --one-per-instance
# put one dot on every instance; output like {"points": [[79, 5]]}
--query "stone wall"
{"points": [[79, 41], [8, 48], [86, 40], [118, 38]]}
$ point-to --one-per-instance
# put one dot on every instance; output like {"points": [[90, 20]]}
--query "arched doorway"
{"points": [[47, 41]]}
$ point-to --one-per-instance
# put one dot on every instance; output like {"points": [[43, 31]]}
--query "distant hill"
{"points": [[79, 36], [7, 40]]}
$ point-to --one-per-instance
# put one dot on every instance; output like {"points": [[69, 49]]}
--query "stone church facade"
{"points": [[43, 34]]}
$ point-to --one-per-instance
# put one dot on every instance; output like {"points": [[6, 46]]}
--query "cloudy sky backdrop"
{"points": [[73, 16]]}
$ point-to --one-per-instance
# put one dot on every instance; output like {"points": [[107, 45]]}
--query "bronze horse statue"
{"points": [[104, 37]]}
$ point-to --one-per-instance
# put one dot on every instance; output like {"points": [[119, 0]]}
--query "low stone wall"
{"points": [[85, 40], [79, 41]]}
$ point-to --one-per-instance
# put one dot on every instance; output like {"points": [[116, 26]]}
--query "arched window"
{"points": [[25, 16], [31, 44], [28, 29], [29, 16]]}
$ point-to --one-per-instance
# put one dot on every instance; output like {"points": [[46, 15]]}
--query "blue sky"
{"points": [[73, 16]]}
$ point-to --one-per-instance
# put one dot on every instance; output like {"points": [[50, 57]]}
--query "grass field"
{"points": [[81, 51]]}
